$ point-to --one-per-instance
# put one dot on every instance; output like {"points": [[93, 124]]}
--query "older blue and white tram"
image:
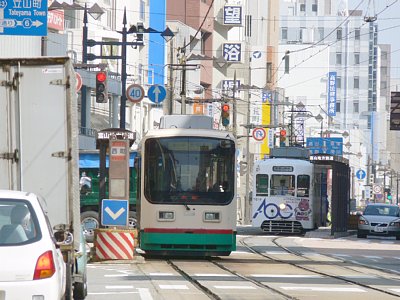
{"points": [[286, 195], [187, 202]]}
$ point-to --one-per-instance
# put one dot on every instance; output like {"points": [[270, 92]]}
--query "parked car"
{"points": [[32, 266], [380, 220]]}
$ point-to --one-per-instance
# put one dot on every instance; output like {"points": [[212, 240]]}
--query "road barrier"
{"points": [[114, 244]]}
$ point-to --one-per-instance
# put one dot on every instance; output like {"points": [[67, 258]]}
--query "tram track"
{"points": [[213, 295], [319, 272]]}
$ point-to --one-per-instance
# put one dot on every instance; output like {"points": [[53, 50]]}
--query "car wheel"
{"points": [[90, 222], [80, 290], [68, 283], [132, 221], [361, 235]]}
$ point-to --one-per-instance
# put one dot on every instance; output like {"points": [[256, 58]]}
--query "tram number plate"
{"points": [[378, 229]]}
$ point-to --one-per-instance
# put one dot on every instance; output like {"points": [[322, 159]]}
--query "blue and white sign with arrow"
{"points": [[114, 212], [361, 174], [157, 93], [23, 17]]}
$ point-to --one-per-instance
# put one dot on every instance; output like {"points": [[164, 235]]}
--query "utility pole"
{"points": [[183, 83], [234, 117], [171, 80]]}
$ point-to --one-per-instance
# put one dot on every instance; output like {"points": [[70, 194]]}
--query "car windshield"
{"points": [[18, 223], [381, 210]]}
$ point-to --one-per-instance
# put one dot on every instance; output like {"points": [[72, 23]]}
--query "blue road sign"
{"points": [[361, 174], [157, 93], [326, 145], [114, 212], [23, 17]]}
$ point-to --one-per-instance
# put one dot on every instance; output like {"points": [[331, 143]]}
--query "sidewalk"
{"points": [[325, 233]]}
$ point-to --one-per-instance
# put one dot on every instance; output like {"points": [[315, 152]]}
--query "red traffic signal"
{"points": [[282, 132], [101, 76], [101, 87], [225, 114]]}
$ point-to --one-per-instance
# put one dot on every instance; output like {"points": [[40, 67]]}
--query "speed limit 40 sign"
{"points": [[135, 93]]}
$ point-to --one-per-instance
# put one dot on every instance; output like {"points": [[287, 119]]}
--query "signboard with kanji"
{"points": [[332, 94], [232, 52], [232, 15]]}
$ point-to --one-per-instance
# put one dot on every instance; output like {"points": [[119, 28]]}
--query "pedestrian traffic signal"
{"points": [[225, 114], [282, 137], [101, 87]]}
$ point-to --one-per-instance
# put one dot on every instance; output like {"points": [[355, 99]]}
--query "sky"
{"points": [[388, 19]]}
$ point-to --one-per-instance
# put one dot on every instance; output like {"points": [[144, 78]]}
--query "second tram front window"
{"points": [[303, 186], [189, 170], [262, 185], [282, 185]]}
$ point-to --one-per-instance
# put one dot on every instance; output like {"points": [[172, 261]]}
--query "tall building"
{"points": [[326, 43]]}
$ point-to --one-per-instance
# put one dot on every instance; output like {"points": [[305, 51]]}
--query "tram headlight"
{"points": [[211, 216], [166, 215], [282, 206]]}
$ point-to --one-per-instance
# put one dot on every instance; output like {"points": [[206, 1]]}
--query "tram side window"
{"points": [[283, 185], [262, 185], [303, 186]]}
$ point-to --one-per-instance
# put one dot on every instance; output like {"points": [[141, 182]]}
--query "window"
{"points": [[338, 82], [314, 7], [356, 82], [142, 10], [337, 106], [182, 170], [338, 58], [303, 185], [321, 33], [356, 107], [18, 223], [284, 33], [261, 185], [302, 7], [356, 58], [339, 34], [357, 34], [282, 185], [269, 72]]}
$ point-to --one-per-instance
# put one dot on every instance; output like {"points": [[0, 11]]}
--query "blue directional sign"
{"points": [[156, 93], [361, 174], [326, 145], [23, 17], [114, 212]]}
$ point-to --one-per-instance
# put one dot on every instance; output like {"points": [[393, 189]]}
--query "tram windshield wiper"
{"points": [[187, 206]]}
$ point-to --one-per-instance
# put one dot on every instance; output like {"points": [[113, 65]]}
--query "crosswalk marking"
{"points": [[235, 287], [323, 289], [119, 287], [173, 287], [285, 276]]}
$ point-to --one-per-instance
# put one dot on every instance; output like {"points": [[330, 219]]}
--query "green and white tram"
{"points": [[187, 193]]}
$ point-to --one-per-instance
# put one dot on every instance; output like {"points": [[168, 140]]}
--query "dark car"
{"points": [[380, 220]]}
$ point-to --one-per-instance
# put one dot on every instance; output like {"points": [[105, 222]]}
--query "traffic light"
{"points": [[282, 137], [225, 114], [101, 87]]}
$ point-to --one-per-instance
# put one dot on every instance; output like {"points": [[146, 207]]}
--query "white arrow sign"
{"points": [[113, 215]]}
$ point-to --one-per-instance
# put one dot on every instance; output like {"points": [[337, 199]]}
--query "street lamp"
{"points": [[167, 34]]}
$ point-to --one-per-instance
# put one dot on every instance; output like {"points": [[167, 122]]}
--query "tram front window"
{"points": [[282, 185], [189, 170]]}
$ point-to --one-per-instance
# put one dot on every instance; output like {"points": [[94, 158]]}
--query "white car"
{"points": [[31, 264]]}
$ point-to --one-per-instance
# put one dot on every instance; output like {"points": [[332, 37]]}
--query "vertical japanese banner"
{"points": [[331, 94], [266, 119]]}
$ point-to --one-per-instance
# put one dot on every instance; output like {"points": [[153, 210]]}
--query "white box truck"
{"points": [[39, 148]]}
